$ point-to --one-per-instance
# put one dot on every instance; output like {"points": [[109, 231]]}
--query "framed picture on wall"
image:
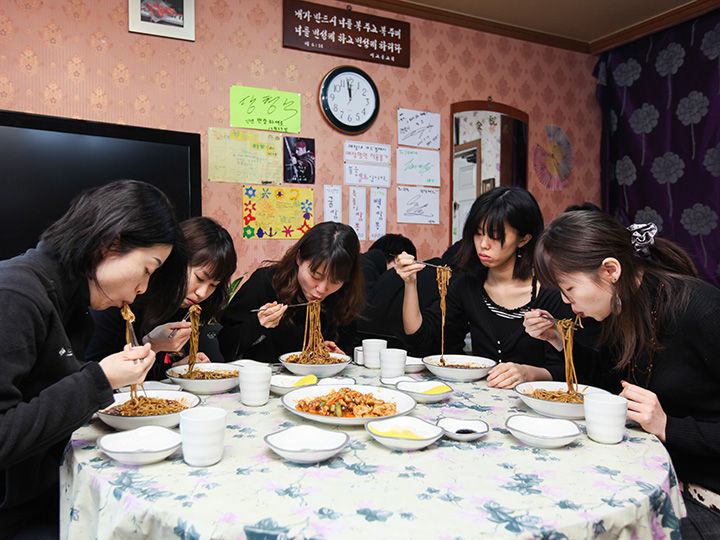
{"points": [[167, 18], [486, 185]]}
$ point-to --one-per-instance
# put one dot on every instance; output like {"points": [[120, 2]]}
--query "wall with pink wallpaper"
{"points": [[76, 58]]}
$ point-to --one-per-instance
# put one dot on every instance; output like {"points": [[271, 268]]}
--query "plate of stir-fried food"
{"points": [[347, 405], [148, 408]]}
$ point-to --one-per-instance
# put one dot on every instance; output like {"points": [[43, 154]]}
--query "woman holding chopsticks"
{"points": [[266, 318]]}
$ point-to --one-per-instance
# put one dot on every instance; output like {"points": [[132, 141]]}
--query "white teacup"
{"points": [[358, 356], [254, 383], [605, 417], [371, 352], [203, 435], [392, 362]]}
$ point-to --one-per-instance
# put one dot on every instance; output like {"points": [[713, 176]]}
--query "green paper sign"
{"points": [[262, 108]]}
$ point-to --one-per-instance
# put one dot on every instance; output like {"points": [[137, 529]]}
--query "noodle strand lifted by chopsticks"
{"points": [[314, 349], [194, 335], [129, 317], [443, 274]]}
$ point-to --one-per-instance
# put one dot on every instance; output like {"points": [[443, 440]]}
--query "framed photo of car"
{"points": [[166, 18]]}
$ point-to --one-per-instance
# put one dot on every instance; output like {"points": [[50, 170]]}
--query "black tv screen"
{"points": [[46, 161]]}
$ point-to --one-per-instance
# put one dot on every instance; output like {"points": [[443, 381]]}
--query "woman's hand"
{"points": [[332, 347], [160, 340], [201, 358], [540, 324], [129, 366], [407, 267], [271, 314], [508, 374], [645, 409]]}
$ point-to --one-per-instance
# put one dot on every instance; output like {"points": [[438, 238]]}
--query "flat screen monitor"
{"points": [[46, 161]]}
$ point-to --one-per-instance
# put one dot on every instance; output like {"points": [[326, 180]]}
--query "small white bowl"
{"points": [[392, 381], [542, 432], [480, 367], [164, 420], [282, 384], [307, 444], [556, 409], [321, 370], [204, 386], [327, 381], [463, 430], [141, 446], [425, 391], [404, 432], [414, 364]]}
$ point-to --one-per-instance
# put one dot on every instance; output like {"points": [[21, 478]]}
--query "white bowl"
{"points": [[573, 411], [202, 386], [404, 432], [141, 446], [321, 370], [481, 367], [392, 381], [463, 430], [542, 432], [282, 384], [425, 391], [153, 385], [343, 381], [164, 420], [414, 364], [307, 444], [403, 402]]}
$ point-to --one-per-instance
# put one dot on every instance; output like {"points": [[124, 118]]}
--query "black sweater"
{"points": [[495, 337], [46, 391], [243, 335]]}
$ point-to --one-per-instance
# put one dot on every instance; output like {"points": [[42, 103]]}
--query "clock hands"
{"points": [[349, 87]]}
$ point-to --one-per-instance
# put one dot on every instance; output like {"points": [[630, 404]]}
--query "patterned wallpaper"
{"points": [[76, 58]]}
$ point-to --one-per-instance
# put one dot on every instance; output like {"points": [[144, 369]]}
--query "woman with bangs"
{"points": [[212, 262], [490, 294], [323, 266]]}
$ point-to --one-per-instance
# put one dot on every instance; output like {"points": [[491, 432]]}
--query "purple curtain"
{"points": [[660, 150]]}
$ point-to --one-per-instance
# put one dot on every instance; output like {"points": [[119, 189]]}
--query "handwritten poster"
{"points": [[367, 164], [358, 212], [378, 212], [418, 128], [418, 167], [248, 157], [263, 108], [333, 203], [277, 212], [362, 174], [418, 205], [363, 152]]}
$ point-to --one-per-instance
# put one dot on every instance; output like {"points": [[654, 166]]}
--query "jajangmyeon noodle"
{"points": [[443, 274], [314, 350]]}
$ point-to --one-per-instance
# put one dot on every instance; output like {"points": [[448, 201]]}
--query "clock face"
{"points": [[349, 99]]}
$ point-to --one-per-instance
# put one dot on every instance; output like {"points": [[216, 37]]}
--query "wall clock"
{"points": [[349, 99]]}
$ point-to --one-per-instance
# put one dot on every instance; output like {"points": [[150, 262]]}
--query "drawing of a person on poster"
{"points": [[299, 160]]}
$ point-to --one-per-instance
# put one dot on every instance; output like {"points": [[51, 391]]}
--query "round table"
{"points": [[493, 487]]}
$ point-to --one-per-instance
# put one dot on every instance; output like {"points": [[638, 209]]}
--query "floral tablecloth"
{"points": [[495, 487]]}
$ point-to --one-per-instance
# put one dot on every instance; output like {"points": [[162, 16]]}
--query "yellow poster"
{"points": [[277, 212], [248, 157]]}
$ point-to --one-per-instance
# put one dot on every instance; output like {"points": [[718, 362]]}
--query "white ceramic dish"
{"points": [[463, 430], [572, 411], [425, 391], [414, 364], [141, 446], [307, 444], [542, 432], [164, 420], [481, 367], [205, 386], [404, 432], [403, 402], [392, 381], [282, 384], [321, 370], [343, 381]]}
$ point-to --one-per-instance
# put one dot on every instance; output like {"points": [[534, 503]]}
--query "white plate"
{"points": [[463, 430], [153, 385], [392, 381], [321, 370], [307, 444], [404, 403], [344, 381], [414, 365], [164, 420], [542, 432], [573, 411], [425, 391], [462, 374], [404, 432], [141, 446], [282, 384], [202, 386]]}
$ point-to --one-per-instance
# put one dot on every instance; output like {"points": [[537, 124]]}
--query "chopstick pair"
{"points": [[258, 310], [423, 262], [175, 331]]}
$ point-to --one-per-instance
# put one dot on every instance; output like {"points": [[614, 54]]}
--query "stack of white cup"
{"points": [[392, 363], [203, 435], [605, 417], [371, 352], [254, 382]]}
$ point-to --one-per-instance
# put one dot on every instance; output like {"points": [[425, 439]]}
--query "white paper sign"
{"points": [[418, 205], [378, 212], [333, 203], [364, 174], [418, 167], [418, 128], [364, 152], [358, 211]]}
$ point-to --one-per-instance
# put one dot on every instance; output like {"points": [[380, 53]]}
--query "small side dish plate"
{"points": [[307, 444], [425, 391], [463, 430], [542, 432], [404, 432], [141, 446]]}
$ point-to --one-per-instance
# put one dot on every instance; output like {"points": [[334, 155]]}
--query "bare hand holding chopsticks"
{"points": [[540, 324], [270, 315]]}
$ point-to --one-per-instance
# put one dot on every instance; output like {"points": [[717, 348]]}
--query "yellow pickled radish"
{"points": [[439, 389], [398, 433], [306, 380]]}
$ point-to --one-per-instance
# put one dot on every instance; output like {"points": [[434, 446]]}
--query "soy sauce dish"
{"points": [[463, 430]]}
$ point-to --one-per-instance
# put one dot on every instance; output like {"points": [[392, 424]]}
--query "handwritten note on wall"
{"points": [[363, 174], [276, 212], [333, 203], [358, 211], [418, 167], [363, 152], [418, 128], [378, 212], [263, 108], [418, 205], [367, 164], [251, 157]]}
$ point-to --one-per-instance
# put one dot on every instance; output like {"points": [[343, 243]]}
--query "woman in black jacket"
{"points": [[114, 243]]}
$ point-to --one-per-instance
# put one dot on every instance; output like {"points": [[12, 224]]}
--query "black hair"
{"points": [[587, 205], [393, 244]]}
